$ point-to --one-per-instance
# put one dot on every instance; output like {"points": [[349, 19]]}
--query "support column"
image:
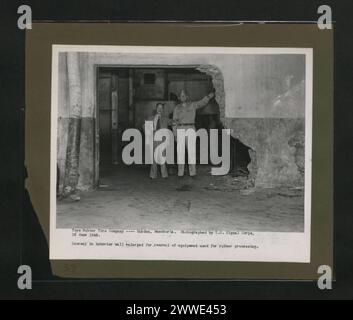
{"points": [[74, 127]]}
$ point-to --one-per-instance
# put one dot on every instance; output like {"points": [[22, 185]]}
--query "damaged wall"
{"points": [[268, 116], [261, 98], [277, 149], [218, 84]]}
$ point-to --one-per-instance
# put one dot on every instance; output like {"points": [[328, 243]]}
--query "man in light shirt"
{"points": [[184, 118]]}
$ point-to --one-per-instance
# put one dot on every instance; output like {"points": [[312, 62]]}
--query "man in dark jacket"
{"points": [[160, 121]]}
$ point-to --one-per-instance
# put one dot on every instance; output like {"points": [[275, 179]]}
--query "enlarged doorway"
{"points": [[127, 96]]}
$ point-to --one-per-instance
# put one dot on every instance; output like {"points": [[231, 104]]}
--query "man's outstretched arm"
{"points": [[203, 102]]}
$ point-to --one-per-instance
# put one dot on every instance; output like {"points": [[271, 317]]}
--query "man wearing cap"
{"points": [[184, 118]]}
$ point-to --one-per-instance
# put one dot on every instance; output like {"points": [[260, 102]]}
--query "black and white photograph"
{"points": [[168, 151], [243, 179]]}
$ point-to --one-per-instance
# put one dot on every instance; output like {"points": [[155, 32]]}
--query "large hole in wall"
{"points": [[243, 157]]}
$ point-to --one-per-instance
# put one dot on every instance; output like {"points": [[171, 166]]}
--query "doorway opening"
{"points": [[127, 96]]}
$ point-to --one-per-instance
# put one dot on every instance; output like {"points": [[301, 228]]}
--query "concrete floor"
{"points": [[129, 199]]}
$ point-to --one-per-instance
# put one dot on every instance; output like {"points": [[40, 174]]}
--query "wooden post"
{"points": [[114, 120], [74, 130]]}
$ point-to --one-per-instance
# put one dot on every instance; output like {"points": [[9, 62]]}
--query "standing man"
{"points": [[160, 121], [184, 118]]}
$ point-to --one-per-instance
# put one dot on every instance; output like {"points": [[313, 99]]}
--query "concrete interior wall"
{"points": [[261, 98]]}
